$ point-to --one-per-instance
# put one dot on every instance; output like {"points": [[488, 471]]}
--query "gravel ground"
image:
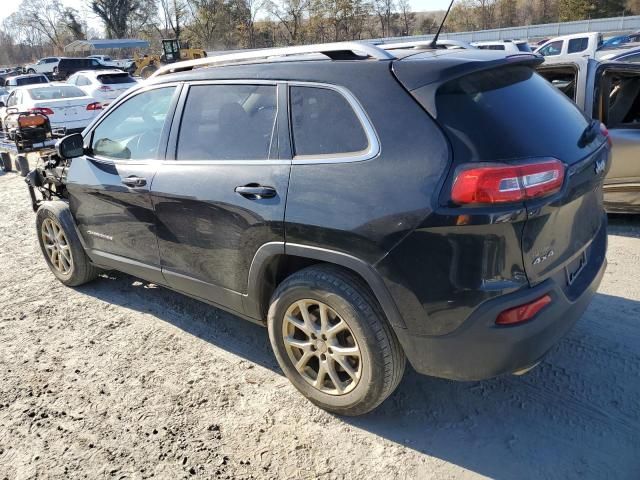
{"points": [[122, 379]]}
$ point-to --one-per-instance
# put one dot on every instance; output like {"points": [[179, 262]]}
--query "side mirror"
{"points": [[71, 146]]}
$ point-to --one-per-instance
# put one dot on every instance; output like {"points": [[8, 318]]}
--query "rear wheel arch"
{"points": [[274, 262]]}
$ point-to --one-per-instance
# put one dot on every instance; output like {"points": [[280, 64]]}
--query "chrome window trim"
{"points": [[373, 148]]}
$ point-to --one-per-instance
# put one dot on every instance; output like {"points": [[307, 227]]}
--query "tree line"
{"points": [[43, 27]]}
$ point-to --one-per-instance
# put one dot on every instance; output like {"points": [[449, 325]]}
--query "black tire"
{"points": [[382, 360], [31, 70], [81, 270], [6, 161], [22, 165]]}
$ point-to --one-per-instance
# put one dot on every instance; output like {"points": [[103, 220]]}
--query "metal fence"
{"points": [[603, 25]]}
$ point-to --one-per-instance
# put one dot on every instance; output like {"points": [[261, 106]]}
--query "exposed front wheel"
{"points": [[22, 165], [5, 162], [333, 342], [61, 246], [31, 70]]}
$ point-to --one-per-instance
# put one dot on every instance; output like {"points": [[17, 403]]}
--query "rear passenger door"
{"points": [[221, 193]]}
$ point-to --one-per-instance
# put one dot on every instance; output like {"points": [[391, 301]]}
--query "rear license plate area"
{"points": [[575, 267]]}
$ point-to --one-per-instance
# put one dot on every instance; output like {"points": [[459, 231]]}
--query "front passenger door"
{"points": [[109, 185]]}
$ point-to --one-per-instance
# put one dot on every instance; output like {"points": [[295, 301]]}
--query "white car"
{"points": [[103, 85], [508, 46], [66, 106], [577, 44], [44, 65]]}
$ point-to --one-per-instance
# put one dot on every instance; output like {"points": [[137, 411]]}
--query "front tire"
{"points": [[6, 162], [333, 342], [61, 245], [31, 70], [22, 165]]}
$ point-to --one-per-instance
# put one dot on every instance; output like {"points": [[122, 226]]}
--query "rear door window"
{"points": [[324, 123], [228, 122], [577, 45]]}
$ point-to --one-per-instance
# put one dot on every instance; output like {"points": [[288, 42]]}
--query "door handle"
{"points": [[254, 191], [134, 181]]}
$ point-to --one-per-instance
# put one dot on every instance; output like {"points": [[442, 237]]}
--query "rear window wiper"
{"points": [[589, 134]]}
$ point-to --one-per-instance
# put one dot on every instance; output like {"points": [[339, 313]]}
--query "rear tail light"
{"points": [[94, 106], [42, 111], [105, 88], [605, 131], [501, 183], [522, 313]]}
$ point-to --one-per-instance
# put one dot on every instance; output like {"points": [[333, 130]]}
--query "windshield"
{"points": [[55, 93], [510, 113], [31, 80]]}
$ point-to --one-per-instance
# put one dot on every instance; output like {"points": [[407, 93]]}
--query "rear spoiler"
{"points": [[414, 72]]}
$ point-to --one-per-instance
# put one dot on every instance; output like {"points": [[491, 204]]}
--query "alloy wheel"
{"points": [[322, 347], [56, 246]]}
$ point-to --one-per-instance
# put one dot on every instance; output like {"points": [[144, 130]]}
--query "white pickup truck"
{"points": [[575, 45], [123, 64], [608, 91]]}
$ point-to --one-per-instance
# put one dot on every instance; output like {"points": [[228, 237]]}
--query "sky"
{"points": [[10, 6]]}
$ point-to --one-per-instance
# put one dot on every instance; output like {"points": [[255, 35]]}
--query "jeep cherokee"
{"points": [[367, 205]]}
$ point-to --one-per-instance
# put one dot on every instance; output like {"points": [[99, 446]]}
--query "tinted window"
{"points": [[132, 130], [115, 78], [553, 48], [521, 115], [577, 45], [324, 123], [31, 80], [523, 47], [635, 58], [55, 93], [227, 122]]}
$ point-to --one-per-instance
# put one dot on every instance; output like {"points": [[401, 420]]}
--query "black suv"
{"points": [[368, 205], [68, 66]]}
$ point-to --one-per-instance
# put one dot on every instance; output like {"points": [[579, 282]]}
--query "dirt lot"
{"points": [[122, 379]]}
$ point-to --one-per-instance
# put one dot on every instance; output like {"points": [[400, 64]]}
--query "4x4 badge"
{"points": [[600, 166]]}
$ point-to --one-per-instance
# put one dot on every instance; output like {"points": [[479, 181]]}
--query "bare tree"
{"points": [[116, 15], [45, 19], [291, 15], [384, 11], [407, 17], [174, 14]]}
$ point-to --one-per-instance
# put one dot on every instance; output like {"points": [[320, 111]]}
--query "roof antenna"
{"points": [[434, 42]]}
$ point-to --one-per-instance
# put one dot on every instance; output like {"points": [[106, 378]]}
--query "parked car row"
{"points": [[70, 105]]}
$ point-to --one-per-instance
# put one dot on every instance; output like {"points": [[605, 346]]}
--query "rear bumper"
{"points": [[479, 349]]}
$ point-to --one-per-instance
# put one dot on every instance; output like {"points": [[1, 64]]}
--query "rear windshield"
{"points": [[115, 78], [509, 113], [55, 93], [31, 80]]}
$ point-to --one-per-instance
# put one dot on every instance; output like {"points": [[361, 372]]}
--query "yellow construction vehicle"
{"points": [[145, 65]]}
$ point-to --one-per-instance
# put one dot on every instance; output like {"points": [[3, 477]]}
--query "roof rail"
{"points": [[424, 44], [335, 51]]}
